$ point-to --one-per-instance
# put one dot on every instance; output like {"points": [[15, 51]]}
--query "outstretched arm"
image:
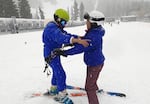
{"points": [[83, 42]]}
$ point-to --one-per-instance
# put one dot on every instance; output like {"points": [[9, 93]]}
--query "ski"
{"points": [[78, 94], [119, 94], [72, 94], [65, 100]]}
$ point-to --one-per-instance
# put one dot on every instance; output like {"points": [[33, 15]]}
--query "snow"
{"points": [[126, 69]]}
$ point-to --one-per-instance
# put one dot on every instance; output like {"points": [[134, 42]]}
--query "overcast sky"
{"points": [[49, 6]]}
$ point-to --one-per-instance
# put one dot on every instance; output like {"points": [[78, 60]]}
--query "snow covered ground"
{"points": [[127, 66]]}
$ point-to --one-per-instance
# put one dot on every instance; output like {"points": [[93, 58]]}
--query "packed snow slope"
{"points": [[127, 66]]}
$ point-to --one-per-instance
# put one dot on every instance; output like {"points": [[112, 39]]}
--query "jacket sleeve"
{"points": [[54, 33], [75, 50], [61, 38], [95, 41], [78, 48], [73, 35]]}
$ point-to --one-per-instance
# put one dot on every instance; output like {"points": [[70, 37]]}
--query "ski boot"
{"points": [[52, 92], [63, 98]]}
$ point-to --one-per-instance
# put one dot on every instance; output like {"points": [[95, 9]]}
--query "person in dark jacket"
{"points": [[54, 37], [93, 55]]}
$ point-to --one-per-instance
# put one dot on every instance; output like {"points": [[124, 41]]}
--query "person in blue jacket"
{"points": [[93, 55], [54, 37]]}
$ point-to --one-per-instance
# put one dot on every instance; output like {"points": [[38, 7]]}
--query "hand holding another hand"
{"points": [[59, 52], [84, 42]]}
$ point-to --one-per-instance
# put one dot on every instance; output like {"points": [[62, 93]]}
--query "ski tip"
{"points": [[117, 94], [112, 93], [36, 94], [77, 94], [122, 95]]}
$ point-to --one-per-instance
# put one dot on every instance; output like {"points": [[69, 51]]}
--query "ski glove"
{"points": [[60, 52], [71, 45]]}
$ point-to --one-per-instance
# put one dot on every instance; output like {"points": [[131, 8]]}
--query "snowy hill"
{"points": [[126, 47]]}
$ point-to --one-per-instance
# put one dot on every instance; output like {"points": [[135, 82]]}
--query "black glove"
{"points": [[47, 59], [66, 45], [60, 52]]}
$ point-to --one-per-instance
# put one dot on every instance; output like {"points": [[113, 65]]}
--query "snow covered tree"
{"points": [[68, 10], [72, 14], [75, 10], [24, 9], [41, 13], [37, 14], [2, 8], [8, 9], [81, 11]]}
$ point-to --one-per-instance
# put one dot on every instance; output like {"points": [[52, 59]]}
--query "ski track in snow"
{"points": [[126, 47]]}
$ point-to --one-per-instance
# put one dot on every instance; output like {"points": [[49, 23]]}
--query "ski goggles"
{"points": [[63, 22]]}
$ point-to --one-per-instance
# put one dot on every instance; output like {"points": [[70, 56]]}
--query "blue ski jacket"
{"points": [[93, 54], [54, 37]]}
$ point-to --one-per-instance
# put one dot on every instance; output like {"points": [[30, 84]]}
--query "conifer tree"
{"points": [[41, 13], [75, 11], [81, 14], [8, 9], [24, 9]]}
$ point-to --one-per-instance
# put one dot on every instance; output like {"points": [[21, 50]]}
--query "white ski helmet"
{"points": [[95, 17]]}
